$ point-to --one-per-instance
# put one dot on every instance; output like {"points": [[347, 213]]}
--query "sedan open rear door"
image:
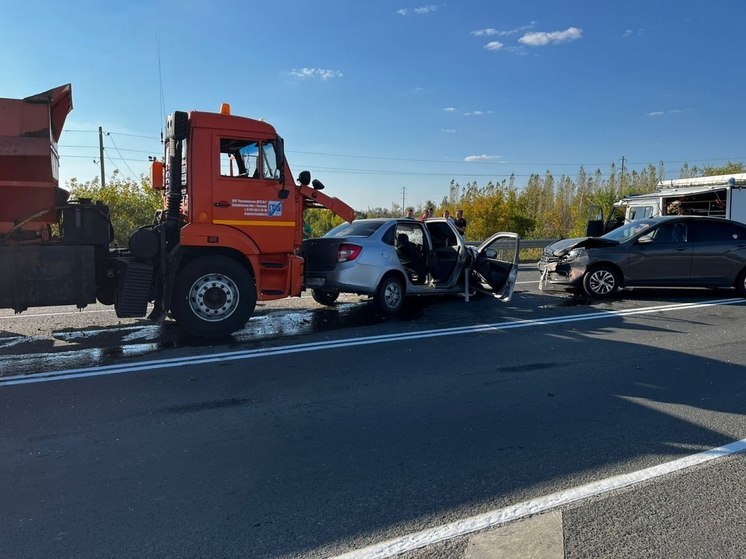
{"points": [[496, 267]]}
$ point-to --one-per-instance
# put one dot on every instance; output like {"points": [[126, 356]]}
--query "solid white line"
{"points": [[511, 513], [335, 344], [67, 313]]}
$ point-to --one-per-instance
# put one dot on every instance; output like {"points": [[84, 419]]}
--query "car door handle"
{"points": [[222, 204]]}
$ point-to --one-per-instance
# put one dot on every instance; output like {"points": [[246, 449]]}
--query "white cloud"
{"points": [[543, 38], [494, 45], [449, 109], [426, 9], [668, 112], [489, 32], [422, 10], [448, 130], [483, 157], [313, 73], [633, 32], [478, 113]]}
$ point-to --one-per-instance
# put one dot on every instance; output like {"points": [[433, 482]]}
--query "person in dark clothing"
{"points": [[410, 258], [460, 222]]}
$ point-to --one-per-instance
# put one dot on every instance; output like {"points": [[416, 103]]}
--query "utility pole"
{"points": [[621, 178], [101, 154], [403, 198]]}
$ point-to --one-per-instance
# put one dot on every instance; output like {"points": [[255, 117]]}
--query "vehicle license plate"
{"points": [[315, 282]]}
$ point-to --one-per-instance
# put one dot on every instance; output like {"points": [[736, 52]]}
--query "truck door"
{"points": [[245, 193], [737, 205]]}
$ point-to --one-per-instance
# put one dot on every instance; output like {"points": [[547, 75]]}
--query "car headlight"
{"points": [[574, 254]]}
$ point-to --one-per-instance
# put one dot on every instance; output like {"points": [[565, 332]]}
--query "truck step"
{"points": [[134, 293], [273, 265]]}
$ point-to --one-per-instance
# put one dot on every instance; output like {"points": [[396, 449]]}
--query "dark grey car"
{"points": [[685, 251]]}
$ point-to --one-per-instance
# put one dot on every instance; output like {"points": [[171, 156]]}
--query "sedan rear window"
{"points": [[356, 229]]}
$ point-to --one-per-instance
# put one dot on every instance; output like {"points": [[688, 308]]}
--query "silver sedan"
{"points": [[389, 259]]}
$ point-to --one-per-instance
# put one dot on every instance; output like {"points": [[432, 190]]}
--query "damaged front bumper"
{"points": [[560, 276]]}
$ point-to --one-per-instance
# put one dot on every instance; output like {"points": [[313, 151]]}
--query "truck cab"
{"points": [[233, 219]]}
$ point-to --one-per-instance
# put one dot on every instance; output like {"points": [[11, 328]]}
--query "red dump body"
{"points": [[29, 183]]}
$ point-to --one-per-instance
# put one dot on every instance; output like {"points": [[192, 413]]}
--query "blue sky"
{"points": [[375, 96]]}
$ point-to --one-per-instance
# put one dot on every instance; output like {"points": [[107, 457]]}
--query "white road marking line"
{"points": [[531, 507], [66, 313], [335, 344]]}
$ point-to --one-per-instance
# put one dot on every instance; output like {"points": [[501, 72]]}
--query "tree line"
{"points": [[546, 207]]}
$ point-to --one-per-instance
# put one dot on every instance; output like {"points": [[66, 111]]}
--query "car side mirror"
{"points": [[490, 253], [645, 240]]}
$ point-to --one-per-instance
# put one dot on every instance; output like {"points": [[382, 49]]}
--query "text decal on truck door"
{"points": [[259, 208]]}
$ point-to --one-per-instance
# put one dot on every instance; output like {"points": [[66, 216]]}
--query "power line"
{"points": [[120, 155], [121, 149], [406, 159]]}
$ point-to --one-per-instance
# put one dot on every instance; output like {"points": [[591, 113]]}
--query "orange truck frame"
{"points": [[230, 232]]}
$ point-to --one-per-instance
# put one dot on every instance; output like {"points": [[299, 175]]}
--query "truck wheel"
{"points": [[389, 296], [601, 281], [214, 296], [741, 283], [324, 297]]}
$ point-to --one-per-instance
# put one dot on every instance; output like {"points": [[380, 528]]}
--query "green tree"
{"points": [[321, 220], [131, 203], [729, 168]]}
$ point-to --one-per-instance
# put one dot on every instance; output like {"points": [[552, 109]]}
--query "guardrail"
{"points": [[525, 244]]}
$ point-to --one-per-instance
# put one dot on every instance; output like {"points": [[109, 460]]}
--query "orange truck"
{"points": [[229, 233]]}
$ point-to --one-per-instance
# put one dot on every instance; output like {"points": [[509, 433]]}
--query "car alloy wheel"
{"points": [[389, 296], [601, 282]]}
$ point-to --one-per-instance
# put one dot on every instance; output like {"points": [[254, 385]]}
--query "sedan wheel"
{"points": [[324, 297], [601, 282], [389, 296], [741, 283]]}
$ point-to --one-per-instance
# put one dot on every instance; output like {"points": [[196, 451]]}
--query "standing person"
{"points": [[460, 222], [447, 216], [410, 213]]}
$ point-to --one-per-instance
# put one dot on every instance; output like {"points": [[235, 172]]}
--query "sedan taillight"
{"points": [[347, 252]]}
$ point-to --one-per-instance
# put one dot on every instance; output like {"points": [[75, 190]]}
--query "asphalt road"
{"points": [[315, 432]]}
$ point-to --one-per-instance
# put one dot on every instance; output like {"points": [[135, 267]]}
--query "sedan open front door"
{"points": [[496, 267]]}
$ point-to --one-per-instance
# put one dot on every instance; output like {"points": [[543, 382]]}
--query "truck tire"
{"points": [[324, 297], [389, 296], [601, 282], [214, 296]]}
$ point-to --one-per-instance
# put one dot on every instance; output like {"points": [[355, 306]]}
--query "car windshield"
{"points": [[628, 231], [356, 229]]}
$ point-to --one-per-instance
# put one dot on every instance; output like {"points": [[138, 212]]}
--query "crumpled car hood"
{"points": [[563, 246]]}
